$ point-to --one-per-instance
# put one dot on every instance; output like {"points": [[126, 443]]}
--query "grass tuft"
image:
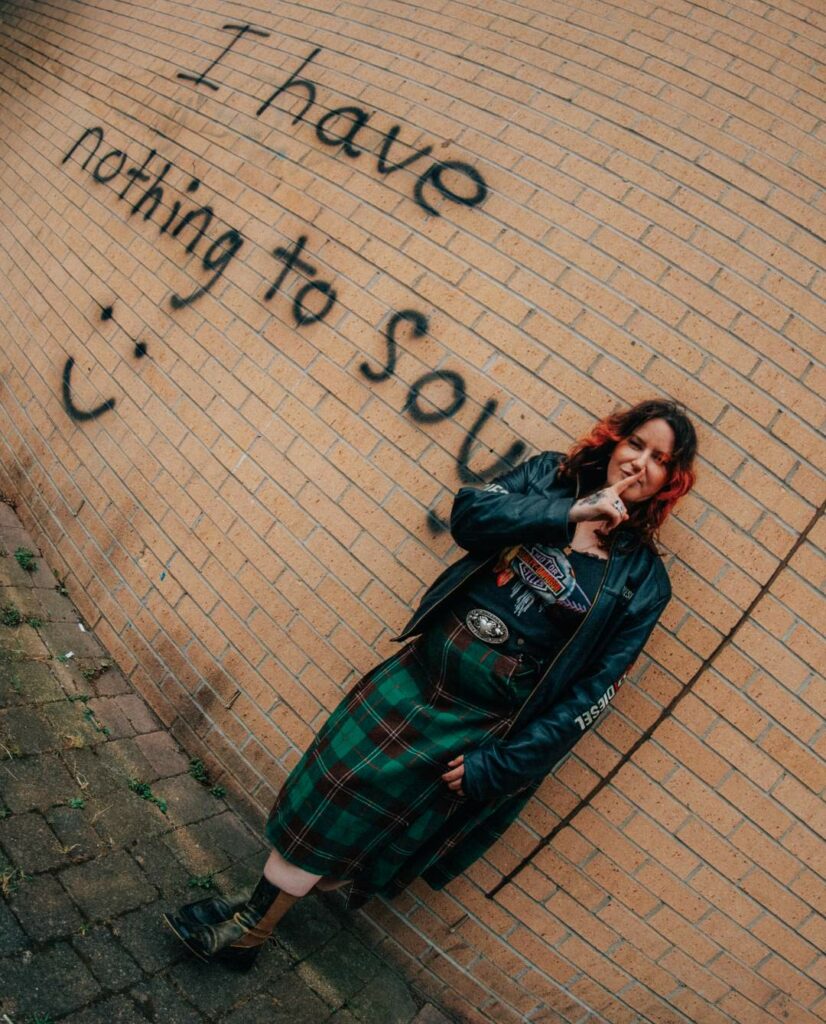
{"points": [[10, 615], [144, 791], [25, 559]]}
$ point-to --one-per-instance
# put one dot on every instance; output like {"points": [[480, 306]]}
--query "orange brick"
{"points": [[653, 222]]}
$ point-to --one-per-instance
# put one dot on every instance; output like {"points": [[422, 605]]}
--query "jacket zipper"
{"points": [[567, 644]]}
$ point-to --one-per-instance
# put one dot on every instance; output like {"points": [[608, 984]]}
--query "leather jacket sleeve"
{"points": [[505, 766], [513, 509]]}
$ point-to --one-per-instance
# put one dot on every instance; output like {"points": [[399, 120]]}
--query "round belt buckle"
{"points": [[486, 626]]}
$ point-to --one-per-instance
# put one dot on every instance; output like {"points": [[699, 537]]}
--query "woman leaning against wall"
{"points": [[511, 656]]}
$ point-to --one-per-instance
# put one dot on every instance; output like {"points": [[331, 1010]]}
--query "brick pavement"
{"points": [[103, 826]]}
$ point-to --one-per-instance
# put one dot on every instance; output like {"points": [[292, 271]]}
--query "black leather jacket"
{"points": [[531, 504]]}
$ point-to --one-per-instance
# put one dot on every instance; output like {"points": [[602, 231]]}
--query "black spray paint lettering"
{"points": [[422, 414], [291, 258], [147, 202], [240, 32], [413, 407], [311, 303], [503, 462], [329, 132], [419, 321], [82, 415]]}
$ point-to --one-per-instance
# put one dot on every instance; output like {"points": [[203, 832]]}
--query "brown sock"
{"points": [[259, 933]]}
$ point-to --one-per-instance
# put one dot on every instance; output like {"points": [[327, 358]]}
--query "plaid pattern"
{"points": [[366, 801]]}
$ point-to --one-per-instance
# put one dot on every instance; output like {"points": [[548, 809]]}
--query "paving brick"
{"points": [[62, 637], [146, 937], [71, 722], [123, 759], [44, 909], [308, 926], [30, 843], [106, 958], [111, 683], [27, 682], [109, 715], [24, 600], [12, 938], [162, 753], [51, 982], [126, 817], [11, 574], [22, 641], [429, 1014], [35, 782], [162, 867], [288, 1001], [187, 800], [23, 731], [385, 1000], [108, 886], [55, 607], [140, 716], [162, 1002], [215, 989], [340, 969], [116, 1010], [225, 835]]}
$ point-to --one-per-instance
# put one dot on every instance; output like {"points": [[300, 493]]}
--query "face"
{"points": [[648, 448]]}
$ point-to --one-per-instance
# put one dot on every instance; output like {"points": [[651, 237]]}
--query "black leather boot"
{"points": [[237, 939], [211, 910]]}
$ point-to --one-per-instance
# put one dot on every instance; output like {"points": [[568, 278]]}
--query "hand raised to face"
{"points": [[605, 504]]}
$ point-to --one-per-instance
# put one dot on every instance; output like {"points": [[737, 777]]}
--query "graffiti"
{"points": [[291, 257], [434, 396], [195, 223], [503, 462], [82, 415], [437, 176], [240, 32], [413, 407], [420, 413], [220, 252]]}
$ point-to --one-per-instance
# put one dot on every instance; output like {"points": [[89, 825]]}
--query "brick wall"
{"points": [[239, 457]]}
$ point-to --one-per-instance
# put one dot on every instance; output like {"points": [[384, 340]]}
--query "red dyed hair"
{"points": [[588, 459]]}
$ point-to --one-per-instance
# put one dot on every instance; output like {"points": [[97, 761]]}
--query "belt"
{"points": [[486, 626]]}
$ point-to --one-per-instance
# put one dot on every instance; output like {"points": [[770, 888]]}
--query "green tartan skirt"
{"points": [[367, 802]]}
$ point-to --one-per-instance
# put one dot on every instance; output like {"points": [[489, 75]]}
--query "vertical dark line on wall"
{"points": [[664, 714]]}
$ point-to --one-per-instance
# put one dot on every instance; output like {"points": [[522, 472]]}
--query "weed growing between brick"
{"points": [[10, 879], [144, 791], [198, 770], [25, 559], [10, 615], [206, 881]]}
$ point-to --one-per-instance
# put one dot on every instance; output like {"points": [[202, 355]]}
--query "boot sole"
{"points": [[169, 920], [230, 957]]}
